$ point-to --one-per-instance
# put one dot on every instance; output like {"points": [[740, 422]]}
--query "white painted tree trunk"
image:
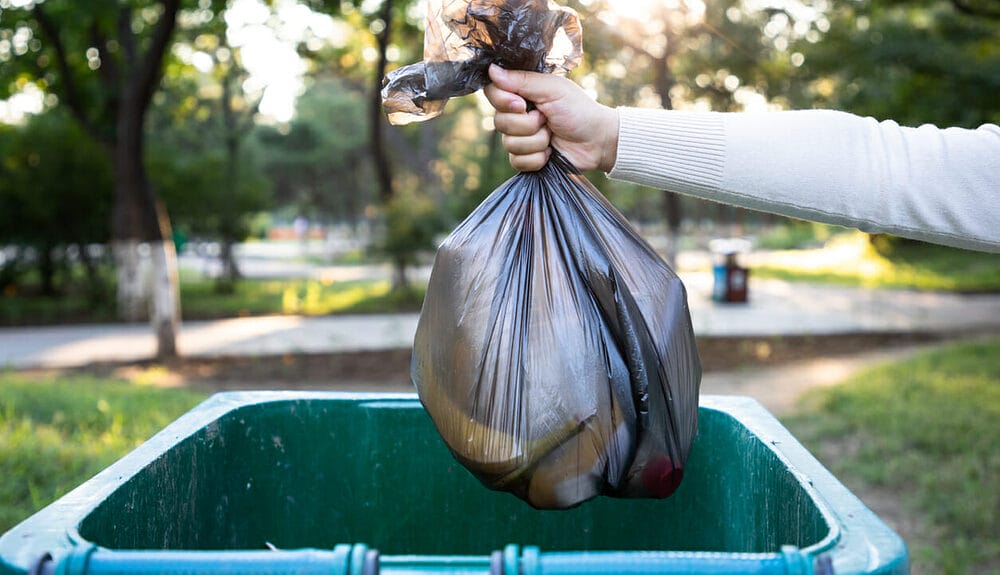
{"points": [[132, 294], [148, 287], [164, 313]]}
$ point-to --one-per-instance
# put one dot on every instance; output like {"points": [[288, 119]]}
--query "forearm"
{"points": [[937, 185]]}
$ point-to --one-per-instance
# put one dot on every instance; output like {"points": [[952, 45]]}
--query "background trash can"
{"points": [[731, 280], [355, 484]]}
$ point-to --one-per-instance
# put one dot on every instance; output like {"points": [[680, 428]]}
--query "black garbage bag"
{"points": [[555, 351]]}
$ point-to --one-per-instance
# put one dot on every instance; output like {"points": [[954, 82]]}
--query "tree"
{"points": [[104, 65], [317, 162], [412, 225], [390, 19], [203, 118]]}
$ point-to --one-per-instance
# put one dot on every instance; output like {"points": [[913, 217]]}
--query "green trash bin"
{"points": [[288, 482]]}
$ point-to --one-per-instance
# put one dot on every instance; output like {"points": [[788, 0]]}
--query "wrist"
{"points": [[608, 141]]}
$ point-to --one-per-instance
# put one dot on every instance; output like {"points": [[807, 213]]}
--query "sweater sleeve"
{"points": [[937, 185]]}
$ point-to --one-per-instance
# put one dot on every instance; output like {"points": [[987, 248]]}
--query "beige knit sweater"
{"points": [[937, 185]]}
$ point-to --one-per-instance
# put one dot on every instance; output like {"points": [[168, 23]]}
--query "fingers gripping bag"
{"points": [[555, 352]]}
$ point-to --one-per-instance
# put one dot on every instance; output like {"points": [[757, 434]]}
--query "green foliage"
{"points": [[914, 61], [201, 159], [23, 304], [55, 433], [925, 430], [55, 191], [412, 222], [55, 186], [193, 185], [318, 162], [797, 234]]}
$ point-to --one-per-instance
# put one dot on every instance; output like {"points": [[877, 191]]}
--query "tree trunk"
{"points": [[131, 77], [230, 269], [380, 155], [165, 313], [673, 212], [10, 270], [47, 270], [228, 229], [140, 219], [399, 280], [131, 292], [383, 169], [95, 288], [673, 209]]}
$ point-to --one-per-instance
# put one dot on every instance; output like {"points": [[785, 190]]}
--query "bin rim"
{"points": [[47, 531]]}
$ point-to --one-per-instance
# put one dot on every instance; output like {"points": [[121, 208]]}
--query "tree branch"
{"points": [[126, 39], [70, 93], [109, 71], [150, 68], [109, 67], [967, 8]]}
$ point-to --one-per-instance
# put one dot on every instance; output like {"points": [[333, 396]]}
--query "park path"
{"points": [[777, 308]]}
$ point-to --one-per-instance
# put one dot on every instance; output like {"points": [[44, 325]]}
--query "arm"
{"points": [[926, 183]]}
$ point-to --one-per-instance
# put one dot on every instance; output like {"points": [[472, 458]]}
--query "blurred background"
{"points": [[205, 160]]}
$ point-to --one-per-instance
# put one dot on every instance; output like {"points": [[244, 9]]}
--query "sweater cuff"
{"points": [[676, 151]]}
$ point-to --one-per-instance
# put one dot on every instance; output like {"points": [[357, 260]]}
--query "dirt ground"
{"points": [[389, 370]]}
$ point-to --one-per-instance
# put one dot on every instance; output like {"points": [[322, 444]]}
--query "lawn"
{"points": [[851, 259], [926, 431], [54, 434], [201, 300]]}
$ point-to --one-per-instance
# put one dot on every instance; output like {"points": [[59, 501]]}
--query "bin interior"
{"points": [[319, 472]]}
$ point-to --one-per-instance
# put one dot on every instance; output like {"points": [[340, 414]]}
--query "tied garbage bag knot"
{"points": [[462, 38], [555, 352]]}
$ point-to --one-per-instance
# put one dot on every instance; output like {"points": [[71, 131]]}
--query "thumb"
{"points": [[532, 86]]}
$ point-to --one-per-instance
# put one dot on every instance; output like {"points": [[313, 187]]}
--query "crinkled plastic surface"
{"points": [[555, 351], [461, 40]]}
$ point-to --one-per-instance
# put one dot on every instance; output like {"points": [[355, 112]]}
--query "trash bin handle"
{"points": [[530, 561], [359, 560], [94, 560]]}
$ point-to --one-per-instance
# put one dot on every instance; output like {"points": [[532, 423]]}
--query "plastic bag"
{"points": [[463, 37], [555, 351]]}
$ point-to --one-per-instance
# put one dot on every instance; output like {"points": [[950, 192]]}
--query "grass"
{"points": [[17, 309], [925, 430], [798, 235], [850, 259], [199, 299], [55, 434]]}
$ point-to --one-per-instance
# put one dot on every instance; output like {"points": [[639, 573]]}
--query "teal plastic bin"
{"points": [[359, 484]]}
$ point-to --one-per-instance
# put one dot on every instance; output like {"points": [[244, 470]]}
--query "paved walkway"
{"points": [[777, 308]]}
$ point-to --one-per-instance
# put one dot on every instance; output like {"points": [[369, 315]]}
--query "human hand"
{"points": [[565, 118]]}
